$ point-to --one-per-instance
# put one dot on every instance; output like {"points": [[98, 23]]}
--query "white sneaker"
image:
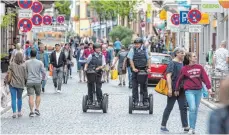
{"points": [[58, 91], [191, 131]]}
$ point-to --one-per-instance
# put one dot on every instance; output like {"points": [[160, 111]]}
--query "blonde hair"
{"points": [[18, 46]]}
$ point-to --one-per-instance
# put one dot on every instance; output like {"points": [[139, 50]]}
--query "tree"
{"points": [[123, 33], [8, 19], [63, 7]]}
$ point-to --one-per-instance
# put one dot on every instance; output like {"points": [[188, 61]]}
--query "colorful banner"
{"points": [[149, 10]]}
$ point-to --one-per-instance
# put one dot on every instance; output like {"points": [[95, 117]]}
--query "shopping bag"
{"points": [[162, 87], [114, 74], [50, 69]]}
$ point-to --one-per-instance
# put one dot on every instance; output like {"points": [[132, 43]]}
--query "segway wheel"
{"points": [[130, 104], [84, 103], [105, 103], [150, 104]]}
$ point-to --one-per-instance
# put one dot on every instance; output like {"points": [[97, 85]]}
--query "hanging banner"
{"points": [[149, 10], [163, 15]]}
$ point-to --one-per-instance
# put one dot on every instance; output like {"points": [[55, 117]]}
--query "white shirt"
{"points": [[57, 57], [221, 56]]}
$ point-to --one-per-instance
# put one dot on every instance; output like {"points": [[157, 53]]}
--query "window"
{"points": [[88, 11], [160, 59]]}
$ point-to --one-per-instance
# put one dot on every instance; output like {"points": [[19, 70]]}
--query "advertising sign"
{"points": [[37, 7], [36, 19], [184, 17], [25, 25], [25, 4], [211, 6], [194, 16], [224, 3], [175, 19], [25, 13]]}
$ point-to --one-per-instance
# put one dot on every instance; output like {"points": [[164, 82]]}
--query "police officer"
{"points": [[95, 61], [139, 60]]}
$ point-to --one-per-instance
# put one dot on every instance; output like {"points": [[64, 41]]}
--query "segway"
{"points": [[141, 77], [91, 75]]}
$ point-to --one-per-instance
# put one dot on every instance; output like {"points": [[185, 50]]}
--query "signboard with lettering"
{"points": [[25, 13], [211, 6], [195, 28]]}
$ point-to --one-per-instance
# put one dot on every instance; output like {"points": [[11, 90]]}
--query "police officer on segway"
{"points": [[139, 60], [95, 61]]}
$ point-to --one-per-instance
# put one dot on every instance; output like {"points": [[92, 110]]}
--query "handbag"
{"points": [[162, 87], [8, 77], [114, 74]]}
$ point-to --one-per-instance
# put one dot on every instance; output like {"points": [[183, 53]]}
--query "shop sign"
{"points": [[212, 6]]}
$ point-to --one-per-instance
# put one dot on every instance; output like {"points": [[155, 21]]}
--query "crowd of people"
{"points": [[185, 78]]}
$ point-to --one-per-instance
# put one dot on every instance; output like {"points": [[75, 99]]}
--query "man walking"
{"points": [[117, 46], [58, 61], [221, 58], [34, 69], [42, 55]]}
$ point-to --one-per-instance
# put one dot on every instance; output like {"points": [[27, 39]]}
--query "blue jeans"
{"points": [[193, 97], [129, 76], [16, 93], [43, 83]]}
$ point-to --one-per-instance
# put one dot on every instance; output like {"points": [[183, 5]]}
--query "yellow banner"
{"points": [[204, 18], [149, 10], [163, 15]]}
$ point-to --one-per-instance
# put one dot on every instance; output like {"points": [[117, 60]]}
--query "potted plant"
{"points": [[4, 62], [76, 18]]}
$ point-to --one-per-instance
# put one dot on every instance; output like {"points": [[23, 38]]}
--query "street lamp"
{"points": [[90, 21]]}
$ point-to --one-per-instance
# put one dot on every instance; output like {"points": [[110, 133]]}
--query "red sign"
{"points": [[37, 19], [25, 25], [25, 4], [37, 7], [175, 19], [60, 19], [194, 16], [47, 20]]}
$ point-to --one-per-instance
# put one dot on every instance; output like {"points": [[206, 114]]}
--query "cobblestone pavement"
{"points": [[62, 114]]}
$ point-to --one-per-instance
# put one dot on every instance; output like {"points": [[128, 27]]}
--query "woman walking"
{"points": [[192, 75], [16, 78], [172, 72], [121, 68]]}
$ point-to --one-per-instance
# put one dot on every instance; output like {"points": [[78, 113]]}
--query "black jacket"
{"points": [[62, 59]]}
